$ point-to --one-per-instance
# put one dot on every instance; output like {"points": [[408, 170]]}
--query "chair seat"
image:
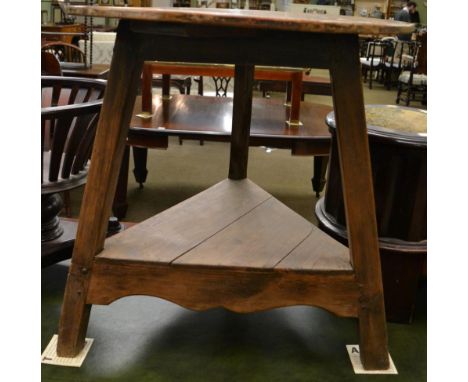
{"points": [[61, 184], [234, 224], [390, 65], [368, 61], [418, 79]]}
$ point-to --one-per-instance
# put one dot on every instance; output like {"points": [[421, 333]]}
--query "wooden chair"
{"points": [[69, 115], [412, 85], [65, 53], [50, 65], [182, 83], [233, 245], [373, 60], [403, 55]]}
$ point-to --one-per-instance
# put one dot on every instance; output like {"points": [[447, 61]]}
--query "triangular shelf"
{"points": [[233, 224]]}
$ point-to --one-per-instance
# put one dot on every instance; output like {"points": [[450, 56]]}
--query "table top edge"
{"points": [[248, 19]]}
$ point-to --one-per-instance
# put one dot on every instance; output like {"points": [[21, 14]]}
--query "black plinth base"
{"points": [[51, 205], [62, 247]]}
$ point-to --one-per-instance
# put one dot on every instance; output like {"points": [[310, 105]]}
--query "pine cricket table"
{"points": [[233, 245]]}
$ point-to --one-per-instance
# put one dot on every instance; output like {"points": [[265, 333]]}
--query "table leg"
{"points": [[200, 86], [353, 147], [109, 145], [241, 119], [296, 92], [166, 86], [140, 158], [119, 208], [320, 169]]}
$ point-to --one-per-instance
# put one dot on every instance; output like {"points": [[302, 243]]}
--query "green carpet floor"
{"points": [[148, 339]]}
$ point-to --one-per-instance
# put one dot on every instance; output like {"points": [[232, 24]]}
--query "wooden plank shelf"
{"points": [[232, 236], [233, 224]]}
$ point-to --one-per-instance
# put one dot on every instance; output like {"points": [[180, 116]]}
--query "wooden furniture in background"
{"points": [[209, 119], [393, 7], [65, 53], [261, 73], [139, 3], [50, 65], [412, 87], [67, 33], [421, 38], [98, 71], [398, 148], [69, 116], [182, 83], [402, 56], [310, 85], [232, 245], [61, 248], [412, 82], [212, 131], [373, 59]]}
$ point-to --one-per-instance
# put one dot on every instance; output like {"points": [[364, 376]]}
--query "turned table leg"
{"points": [[124, 76], [320, 170], [140, 159]]}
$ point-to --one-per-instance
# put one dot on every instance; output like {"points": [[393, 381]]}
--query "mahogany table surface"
{"points": [[95, 71], [212, 116], [248, 19]]}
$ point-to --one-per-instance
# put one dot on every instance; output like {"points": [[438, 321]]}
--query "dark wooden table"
{"points": [[78, 70], [316, 85], [292, 76], [398, 147], [233, 245], [209, 119], [66, 33]]}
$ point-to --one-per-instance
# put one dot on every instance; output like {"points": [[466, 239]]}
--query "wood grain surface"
{"points": [[234, 224], [177, 230], [241, 118], [213, 116], [249, 19], [358, 195], [119, 98], [237, 290], [248, 39]]}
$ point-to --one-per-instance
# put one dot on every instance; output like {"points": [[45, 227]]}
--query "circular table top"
{"points": [[247, 19], [394, 122], [397, 119]]}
